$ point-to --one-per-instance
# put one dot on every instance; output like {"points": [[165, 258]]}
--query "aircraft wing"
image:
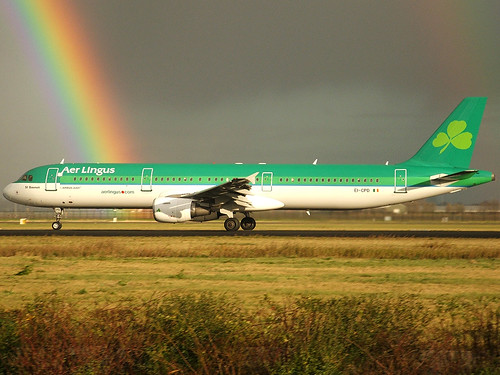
{"points": [[233, 196], [234, 188], [230, 195]]}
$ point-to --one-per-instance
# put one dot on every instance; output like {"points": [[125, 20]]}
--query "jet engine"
{"points": [[177, 210]]}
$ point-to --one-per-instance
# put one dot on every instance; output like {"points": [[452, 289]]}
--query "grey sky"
{"points": [[272, 81]]}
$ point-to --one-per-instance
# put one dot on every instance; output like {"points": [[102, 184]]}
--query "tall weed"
{"points": [[210, 334]]}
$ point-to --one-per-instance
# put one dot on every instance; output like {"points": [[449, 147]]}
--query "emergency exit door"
{"points": [[147, 179], [267, 181], [400, 181]]}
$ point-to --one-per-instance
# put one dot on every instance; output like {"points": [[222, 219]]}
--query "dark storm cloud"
{"points": [[199, 52]]}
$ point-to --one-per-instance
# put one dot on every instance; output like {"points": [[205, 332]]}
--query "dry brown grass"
{"points": [[251, 247]]}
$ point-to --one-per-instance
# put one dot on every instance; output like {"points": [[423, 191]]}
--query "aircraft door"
{"points": [[400, 183], [267, 181], [51, 179], [147, 179]]}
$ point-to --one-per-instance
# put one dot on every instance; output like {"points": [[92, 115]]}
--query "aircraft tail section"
{"points": [[453, 142]]}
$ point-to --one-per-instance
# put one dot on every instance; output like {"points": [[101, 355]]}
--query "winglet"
{"points": [[251, 178]]}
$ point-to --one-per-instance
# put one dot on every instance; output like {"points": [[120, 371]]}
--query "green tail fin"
{"points": [[453, 142]]}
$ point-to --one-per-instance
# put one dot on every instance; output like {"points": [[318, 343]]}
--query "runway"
{"points": [[255, 233]]}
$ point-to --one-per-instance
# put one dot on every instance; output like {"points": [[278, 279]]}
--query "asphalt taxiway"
{"points": [[260, 233]]}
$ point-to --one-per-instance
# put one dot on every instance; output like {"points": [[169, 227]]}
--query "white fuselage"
{"points": [[292, 197]]}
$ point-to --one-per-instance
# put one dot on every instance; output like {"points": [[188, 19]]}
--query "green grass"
{"points": [[111, 280]]}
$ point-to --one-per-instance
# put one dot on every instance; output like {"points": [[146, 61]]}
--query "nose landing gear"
{"points": [[56, 225]]}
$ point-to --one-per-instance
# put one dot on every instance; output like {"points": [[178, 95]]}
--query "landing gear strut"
{"points": [[56, 225]]}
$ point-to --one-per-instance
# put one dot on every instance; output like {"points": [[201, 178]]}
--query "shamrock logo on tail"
{"points": [[456, 136]]}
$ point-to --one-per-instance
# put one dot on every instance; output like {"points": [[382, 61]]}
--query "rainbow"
{"points": [[63, 59]]}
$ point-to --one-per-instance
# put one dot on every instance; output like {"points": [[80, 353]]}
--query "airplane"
{"points": [[201, 192]]}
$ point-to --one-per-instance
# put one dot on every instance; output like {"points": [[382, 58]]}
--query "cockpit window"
{"points": [[24, 178], [30, 177]]}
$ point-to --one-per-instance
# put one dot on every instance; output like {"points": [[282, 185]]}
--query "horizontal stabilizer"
{"points": [[444, 178]]}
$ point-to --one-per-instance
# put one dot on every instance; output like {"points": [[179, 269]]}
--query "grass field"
{"points": [[249, 305], [110, 269]]}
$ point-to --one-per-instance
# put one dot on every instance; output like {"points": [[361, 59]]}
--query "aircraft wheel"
{"points": [[56, 225], [248, 223], [231, 224]]}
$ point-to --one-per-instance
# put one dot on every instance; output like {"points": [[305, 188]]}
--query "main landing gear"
{"points": [[248, 223], [56, 225], [232, 224]]}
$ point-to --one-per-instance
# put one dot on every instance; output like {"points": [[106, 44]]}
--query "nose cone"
{"points": [[10, 192]]}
